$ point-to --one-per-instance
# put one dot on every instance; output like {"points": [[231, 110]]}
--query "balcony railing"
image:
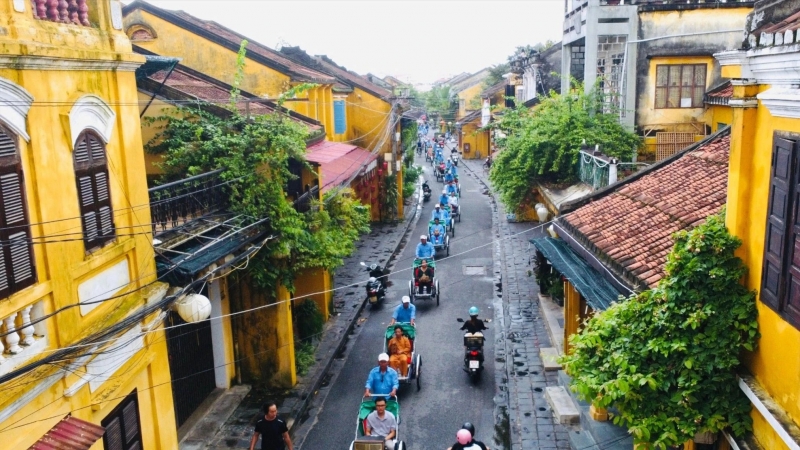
{"points": [[75, 12], [174, 204], [19, 338], [598, 170], [303, 203]]}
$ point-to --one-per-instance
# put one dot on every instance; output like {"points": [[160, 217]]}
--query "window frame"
{"points": [[92, 168], [775, 289], [118, 413], [667, 88]]}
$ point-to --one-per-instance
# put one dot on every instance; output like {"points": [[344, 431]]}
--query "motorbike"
{"points": [[455, 157], [376, 285], [426, 191], [473, 354]]}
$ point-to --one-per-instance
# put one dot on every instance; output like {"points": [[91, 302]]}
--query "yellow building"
{"points": [[762, 211], [82, 337]]}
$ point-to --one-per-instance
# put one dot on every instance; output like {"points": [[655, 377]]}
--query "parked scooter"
{"points": [[376, 285], [473, 354], [426, 191]]}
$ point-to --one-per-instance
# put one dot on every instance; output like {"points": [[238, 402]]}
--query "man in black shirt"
{"points": [[273, 431]]}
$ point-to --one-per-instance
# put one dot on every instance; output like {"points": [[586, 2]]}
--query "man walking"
{"points": [[273, 431]]}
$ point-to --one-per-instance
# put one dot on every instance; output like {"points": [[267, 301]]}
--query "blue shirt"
{"points": [[404, 314], [443, 200], [441, 214], [382, 383], [441, 234], [425, 251], [454, 170], [448, 177], [452, 188]]}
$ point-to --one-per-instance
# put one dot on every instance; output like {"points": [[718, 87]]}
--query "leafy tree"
{"points": [[543, 143], [496, 73], [666, 358], [439, 101]]}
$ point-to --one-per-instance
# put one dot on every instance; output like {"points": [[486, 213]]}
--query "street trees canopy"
{"points": [[542, 144], [666, 358], [439, 101]]}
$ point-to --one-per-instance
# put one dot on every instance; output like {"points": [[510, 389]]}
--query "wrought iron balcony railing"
{"points": [[75, 12], [303, 202], [174, 204]]}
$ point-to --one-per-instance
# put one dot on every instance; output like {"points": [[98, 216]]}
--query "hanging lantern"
{"points": [[193, 308], [380, 172]]}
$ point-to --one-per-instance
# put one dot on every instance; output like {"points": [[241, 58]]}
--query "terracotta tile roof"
{"points": [[338, 161], [70, 433], [724, 90], [227, 37], [632, 225]]}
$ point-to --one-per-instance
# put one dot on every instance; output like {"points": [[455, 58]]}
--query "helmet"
{"points": [[469, 427], [463, 437], [473, 311], [424, 236]]}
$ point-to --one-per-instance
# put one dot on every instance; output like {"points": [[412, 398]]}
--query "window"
{"points": [[122, 426], [17, 270], [680, 86], [94, 198], [780, 276], [339, 117]]}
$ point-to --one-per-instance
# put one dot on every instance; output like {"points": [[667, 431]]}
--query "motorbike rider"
{"points": [[424, 248], [462, 443], [424, 275], [473, 325], [437, 232]]}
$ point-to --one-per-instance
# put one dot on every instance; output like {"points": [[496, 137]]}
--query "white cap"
{"points": [[437, 206], [383, 357], [444, 191], [424, 236], [406, 299]]}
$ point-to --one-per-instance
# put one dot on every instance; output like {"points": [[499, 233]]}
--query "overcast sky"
{"points": [[417, 41]]}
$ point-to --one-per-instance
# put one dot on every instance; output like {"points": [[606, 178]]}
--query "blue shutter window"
{"points": [[339, 117]]}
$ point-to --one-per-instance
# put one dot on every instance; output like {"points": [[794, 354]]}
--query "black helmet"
{"points": [[469, 427]]}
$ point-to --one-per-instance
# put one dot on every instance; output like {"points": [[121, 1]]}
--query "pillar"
{"points": [[220, 333], [286, 375], [743, 131], [572, 314]]}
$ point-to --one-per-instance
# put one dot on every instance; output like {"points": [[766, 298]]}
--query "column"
{"points": [[218, 336]]}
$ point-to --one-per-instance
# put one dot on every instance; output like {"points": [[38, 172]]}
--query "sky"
{"points": [[417, 41]]}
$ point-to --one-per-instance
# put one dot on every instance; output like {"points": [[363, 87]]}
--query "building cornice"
{"points": [[49, 63], [782, 101], [731, 57]]}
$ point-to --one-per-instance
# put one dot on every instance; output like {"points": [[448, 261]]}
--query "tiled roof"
{"points": [[223, 35], [492, 90], [724, 90], [338, 161], [470, 116], [632, 225], [70, 433]]}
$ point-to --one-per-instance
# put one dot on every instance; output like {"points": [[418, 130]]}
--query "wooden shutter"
{"points": [[91, 173], [339, 117], [122, 426], [773, 275], [17, 270], [790, 302]]}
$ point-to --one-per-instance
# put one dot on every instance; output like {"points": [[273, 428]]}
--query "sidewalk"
{"points": [[522, 410], [379, 246]]}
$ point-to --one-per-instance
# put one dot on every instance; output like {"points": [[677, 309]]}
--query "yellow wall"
{"points": [[717, 115], [218, 61], [647, 114], [315, 285], [478, 141], [467, 95], [367, 121], [776, 362], [51, 193]]}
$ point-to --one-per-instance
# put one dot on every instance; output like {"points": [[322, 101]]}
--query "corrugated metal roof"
{"points": [[70, 434], [338, 162]]}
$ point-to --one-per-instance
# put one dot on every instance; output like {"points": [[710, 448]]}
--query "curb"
{"points": [[315, 386]]}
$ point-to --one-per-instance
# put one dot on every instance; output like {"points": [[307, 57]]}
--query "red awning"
{"points": [[70, 434], [338, 162]]}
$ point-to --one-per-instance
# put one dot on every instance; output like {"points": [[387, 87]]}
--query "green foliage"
{"points": [[303, 357], [238, 76], [254, 156], [439, 102], [388, 198], [410, 179], [542, 144], [666, 358], [496, 73], [309, 320]]}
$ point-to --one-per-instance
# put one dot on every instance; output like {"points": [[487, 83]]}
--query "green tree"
{"points": [[542, 144], [496, 73], [667, 358], [439, 101]]}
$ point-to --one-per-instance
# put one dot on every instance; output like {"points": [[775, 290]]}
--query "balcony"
{"points": [[19, 339], [74, 12], [174, 204], [598, 170], [303, 203]]}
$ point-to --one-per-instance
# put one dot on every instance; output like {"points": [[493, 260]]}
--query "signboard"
{"points": [[466, 148]]}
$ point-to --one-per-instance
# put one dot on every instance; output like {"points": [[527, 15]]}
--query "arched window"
{"points": [[91, 174], [17, 269]]}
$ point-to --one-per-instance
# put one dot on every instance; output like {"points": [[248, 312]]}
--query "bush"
{"points": [[309, 320], [303, 357], [410, 179]]}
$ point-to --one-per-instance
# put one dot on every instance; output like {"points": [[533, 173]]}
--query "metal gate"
{"points": [[191, 364]]}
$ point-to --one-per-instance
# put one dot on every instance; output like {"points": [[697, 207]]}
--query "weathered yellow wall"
{"points": [[776, 362], [647, 114], [477, 140], [367, 120], [467, 95], [215, 60], [717, 115], [62, 264], [315, 285]]}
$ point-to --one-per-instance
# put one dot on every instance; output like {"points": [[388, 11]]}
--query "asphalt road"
{"points": [[429, 417]]}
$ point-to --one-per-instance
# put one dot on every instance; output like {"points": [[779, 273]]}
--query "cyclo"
{"points": [[362, 442], [414, 361], [442, 241], [419, 288]]}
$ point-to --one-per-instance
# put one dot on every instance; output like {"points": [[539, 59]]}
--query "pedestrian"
{"points": [[405, 312], [273, 431], [382, 379], [382, 423]]}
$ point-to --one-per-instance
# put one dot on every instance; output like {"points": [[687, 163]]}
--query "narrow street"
{"points": [[429, 417]]}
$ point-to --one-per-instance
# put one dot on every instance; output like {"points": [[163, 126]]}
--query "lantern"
{"points": [[193, 308]]}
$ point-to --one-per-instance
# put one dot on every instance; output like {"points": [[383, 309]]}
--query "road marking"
{"points": [[474, 270]]}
